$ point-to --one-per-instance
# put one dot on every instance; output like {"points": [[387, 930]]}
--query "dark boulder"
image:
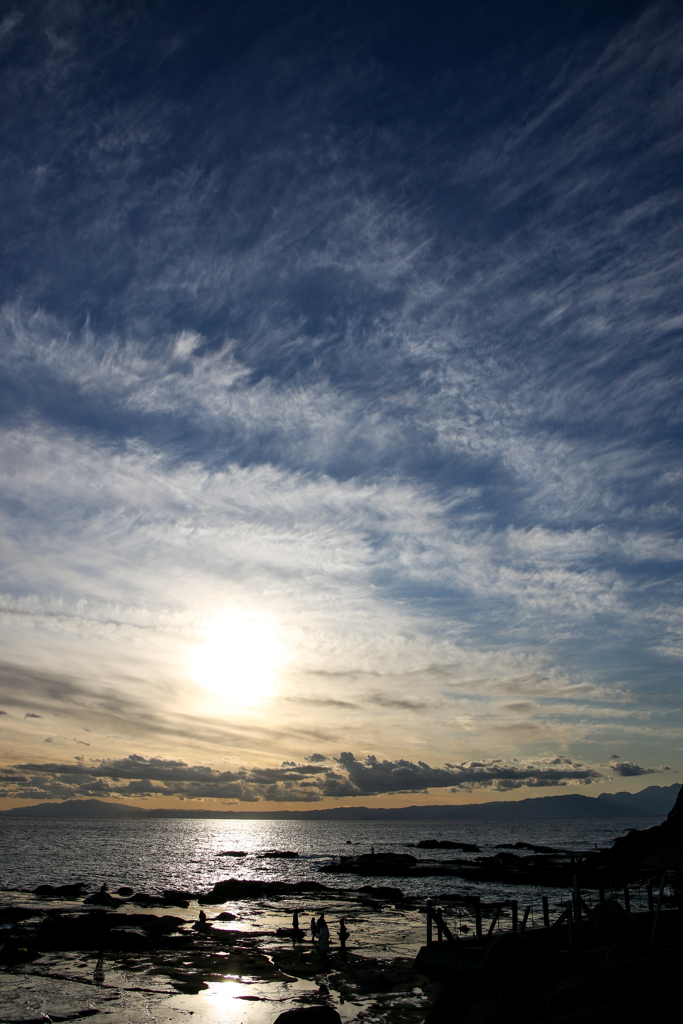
{"points": [[178, 897], [12, 915], [295, 934], [145, 899], [309, 1015], [65, 892], [99, 930], [527, 846], [386, 864], [446, 844], [244, 889], [163, 924], [12, 953], [103, 899]]}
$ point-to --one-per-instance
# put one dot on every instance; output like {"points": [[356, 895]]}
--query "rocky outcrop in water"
{"points": [[555, 869], [653, 850], [445, 844]]}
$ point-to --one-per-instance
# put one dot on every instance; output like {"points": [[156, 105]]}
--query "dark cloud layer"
{"points": [[343, 777]]}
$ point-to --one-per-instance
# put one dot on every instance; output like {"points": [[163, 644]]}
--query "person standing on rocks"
{"points": [[314, 929], [343, 936], [323, 938]]}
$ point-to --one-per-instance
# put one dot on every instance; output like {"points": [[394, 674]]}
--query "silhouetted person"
{"points": [[343, 936], [295, 921], [323, 938], [200, 924], [98, 974], [103, 889], [314, 929]]}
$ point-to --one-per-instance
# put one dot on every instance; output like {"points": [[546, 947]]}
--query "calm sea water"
{"points": [[181, 854]]}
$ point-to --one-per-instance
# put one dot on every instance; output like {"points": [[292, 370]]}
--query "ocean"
{"points": [[153, 855]]}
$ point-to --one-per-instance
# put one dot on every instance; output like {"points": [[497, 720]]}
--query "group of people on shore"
{"points": [[320, 931]]}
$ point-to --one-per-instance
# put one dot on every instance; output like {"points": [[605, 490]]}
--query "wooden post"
{"points": [[429, 922], [494, 920], [627, 900], [439, 929], [570, 929], [527, 911], [477, 917], [546, 913], [659, 907], [650, 901], [576, 907], [513, 904]]}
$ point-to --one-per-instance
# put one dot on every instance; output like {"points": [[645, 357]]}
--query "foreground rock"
{"points": [[309, 1015], [653, 850]]}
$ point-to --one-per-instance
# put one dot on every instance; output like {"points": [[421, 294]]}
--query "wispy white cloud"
{"points": [[408, 386]]}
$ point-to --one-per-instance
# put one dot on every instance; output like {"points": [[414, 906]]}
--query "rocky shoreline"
{"points": [[168, 941]]}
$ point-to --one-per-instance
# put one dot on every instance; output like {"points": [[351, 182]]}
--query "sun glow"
{"points": [[238, 659]]}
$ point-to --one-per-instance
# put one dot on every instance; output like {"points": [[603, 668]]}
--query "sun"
{"points": [[238, 658]]}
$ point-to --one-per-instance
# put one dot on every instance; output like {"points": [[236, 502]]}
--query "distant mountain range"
{"points": [[653, 800]]}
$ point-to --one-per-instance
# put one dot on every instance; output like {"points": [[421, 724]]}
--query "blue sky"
{"points": [[340, 370]]}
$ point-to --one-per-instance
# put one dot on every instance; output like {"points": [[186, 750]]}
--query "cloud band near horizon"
{"points": [[319, 779]]}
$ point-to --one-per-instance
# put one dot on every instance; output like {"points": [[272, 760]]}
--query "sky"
{"points": [[340, 401]]}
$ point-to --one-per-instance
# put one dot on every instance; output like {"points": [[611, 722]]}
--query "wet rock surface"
{"points": [[162, 956]]}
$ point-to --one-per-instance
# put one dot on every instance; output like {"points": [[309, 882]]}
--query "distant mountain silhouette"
{"points": [[659, 799], [654, 800], [79, 809]]}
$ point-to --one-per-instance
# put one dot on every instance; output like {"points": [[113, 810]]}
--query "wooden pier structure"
{"points": [[577, 925]]}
